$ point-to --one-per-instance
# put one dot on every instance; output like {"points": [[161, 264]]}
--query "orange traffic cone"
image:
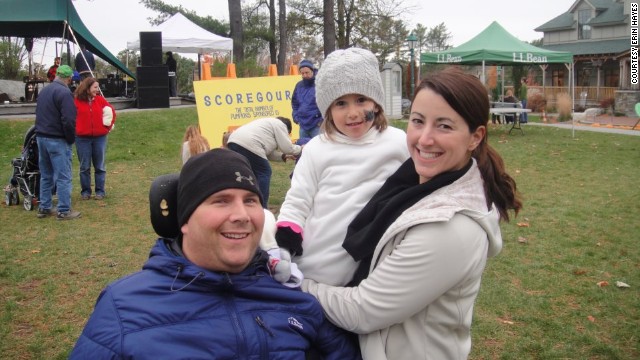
{"points": [[273, 70], [293, 70], [206, 71], [231, 71]]}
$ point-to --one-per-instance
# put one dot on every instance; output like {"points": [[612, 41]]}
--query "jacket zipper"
{"points": [[263, 339], [264, 326], [91, 116], [233, 313]]}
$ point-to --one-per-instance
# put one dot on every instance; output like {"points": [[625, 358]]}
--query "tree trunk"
{"points": [[235, 23], [282, 24], [272, 30], [329, 34]]}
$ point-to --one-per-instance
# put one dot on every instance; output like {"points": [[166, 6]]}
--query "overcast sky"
{"points": [[114, 22]]}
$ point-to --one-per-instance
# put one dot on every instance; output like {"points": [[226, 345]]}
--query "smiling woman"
{"points": [[439, 214]]}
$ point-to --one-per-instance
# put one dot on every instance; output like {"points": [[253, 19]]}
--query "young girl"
{"points": [[193, 143], [340, 169]]}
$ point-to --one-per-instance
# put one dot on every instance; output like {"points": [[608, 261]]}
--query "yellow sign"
{"points": [[226, 104]]}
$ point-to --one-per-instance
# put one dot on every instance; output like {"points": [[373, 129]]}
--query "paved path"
{"points": [[583, 127], [602, 123]]}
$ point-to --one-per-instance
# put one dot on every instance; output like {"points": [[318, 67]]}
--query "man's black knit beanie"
{"points": [[209, 172]]}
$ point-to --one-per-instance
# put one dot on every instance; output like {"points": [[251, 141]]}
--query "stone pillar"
{"points": [[626, 101]]}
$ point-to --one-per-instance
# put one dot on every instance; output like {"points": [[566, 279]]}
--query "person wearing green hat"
{"points": [[55, 133]]}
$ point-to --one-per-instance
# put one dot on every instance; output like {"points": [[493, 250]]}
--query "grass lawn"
{"points": [[540, 298]]}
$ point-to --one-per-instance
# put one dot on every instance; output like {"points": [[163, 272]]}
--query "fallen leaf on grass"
{"points": [[603, 283], [591, 318], [523, 224], [620, 284], [522, 240], [579, 272], [505, 321], [35, 251]]}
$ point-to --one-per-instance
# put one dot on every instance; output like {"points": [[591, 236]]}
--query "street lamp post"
{"points": [[412, 41]]}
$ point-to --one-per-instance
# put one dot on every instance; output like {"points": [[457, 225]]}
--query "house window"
{"points": [[611, 77], [557, 78], [397, 87], [584, 77], [584, 30]]}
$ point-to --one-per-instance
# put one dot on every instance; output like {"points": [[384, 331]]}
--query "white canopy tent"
{"points": [[181, 35]]}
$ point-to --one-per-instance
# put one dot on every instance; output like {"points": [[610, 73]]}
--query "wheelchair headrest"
{"points": [[163, 205]]}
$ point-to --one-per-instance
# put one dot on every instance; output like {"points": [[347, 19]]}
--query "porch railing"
{"points": [[585, 96]]}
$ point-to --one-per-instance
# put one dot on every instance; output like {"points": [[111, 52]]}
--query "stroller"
{"points": [[26, 174]]}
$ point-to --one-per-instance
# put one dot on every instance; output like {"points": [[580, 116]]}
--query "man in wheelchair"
{"points": [[206, 289]]}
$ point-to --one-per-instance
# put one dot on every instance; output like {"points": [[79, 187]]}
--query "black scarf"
{"points": [[401, 191]]}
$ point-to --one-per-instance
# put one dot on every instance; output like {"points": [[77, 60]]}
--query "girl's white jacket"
{"points": [[331, 183]]}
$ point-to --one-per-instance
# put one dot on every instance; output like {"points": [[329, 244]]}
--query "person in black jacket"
{"points": [[56, 132], [85, 63], [173, 79]]}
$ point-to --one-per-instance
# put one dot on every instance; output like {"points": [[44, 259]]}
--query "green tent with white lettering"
{"points": [[496, 46]]}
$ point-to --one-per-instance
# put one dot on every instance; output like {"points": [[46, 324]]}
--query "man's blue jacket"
{"points": [[56, 112], [173, 309]]}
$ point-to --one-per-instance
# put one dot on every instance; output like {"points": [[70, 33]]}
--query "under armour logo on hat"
{"points": [[240, 177]]}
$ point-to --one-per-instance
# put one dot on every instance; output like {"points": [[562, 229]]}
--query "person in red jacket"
{"points": [[51, 74], [94, 121]]}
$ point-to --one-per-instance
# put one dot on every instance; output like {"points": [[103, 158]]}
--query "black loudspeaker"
{"points": [[153, 75], [152, 87], [150, 48], [152, 98]]}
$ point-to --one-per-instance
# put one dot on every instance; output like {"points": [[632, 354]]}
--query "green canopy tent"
{"points": [[496, 46], [51, 18]]}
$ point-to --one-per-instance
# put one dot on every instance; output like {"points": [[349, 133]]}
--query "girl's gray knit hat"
{"points": [[349, 71]]}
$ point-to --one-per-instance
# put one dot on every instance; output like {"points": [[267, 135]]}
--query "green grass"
{"points": [[539, 298]]}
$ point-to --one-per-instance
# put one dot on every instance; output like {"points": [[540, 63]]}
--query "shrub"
{"points": [[564, 106], [536, 102], [608, 104], [549, 105]]}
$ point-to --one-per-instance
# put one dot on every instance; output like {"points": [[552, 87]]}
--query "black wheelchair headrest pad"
{"points": [[163, 205]]}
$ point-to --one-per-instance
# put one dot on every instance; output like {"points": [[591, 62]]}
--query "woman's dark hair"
{"points": [[287, 122], [469, 98], [82, 92]]}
